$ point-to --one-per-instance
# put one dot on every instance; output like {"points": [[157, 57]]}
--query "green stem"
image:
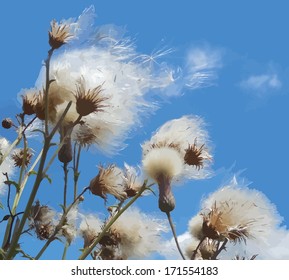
{"points": [[59, 226], [175, 235], [34, 191], [18, 196], [65, 170], [65, 250], [46, 92], [76, 160], [89, 249]]}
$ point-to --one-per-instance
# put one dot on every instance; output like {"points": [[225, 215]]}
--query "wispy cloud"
{"points": [[262, 83], [202, 64]]}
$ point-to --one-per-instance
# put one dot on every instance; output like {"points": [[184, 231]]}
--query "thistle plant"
{"points": [[91, 94]]}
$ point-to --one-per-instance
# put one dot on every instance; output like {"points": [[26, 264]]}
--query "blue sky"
{"points": [[244, 98]]}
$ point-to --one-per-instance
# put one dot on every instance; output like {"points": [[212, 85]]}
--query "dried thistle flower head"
{"points": [[174, 138], [132, 180], [69, 230], [41, 220], [166, 156], [195, 156], [89, 101], [29, 101], [39, 106], [21, 156], [108, 181], [59, 34], [237, 213], [136, 234], [89, 228]]}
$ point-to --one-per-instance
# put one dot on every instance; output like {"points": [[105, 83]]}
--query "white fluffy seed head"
{"points": [[177, 136], [89, 228], [237, 212], [195, 227], [164, 161], [139, 234]]}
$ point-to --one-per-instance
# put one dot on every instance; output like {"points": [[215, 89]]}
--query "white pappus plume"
{"points": [[139, 234], [236, 213], [109, 62], [177, 151], [89, 228]]}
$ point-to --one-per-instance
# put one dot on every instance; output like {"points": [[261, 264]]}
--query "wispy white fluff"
{"points": [[7, 165], [139, 234], [238, 207], [89, 228], [133, 177], [269, 240], [201, 66], [163, 160], [107, 58], [69, 229]]}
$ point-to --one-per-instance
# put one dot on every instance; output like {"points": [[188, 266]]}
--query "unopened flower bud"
{"points": [[7, 123], [166, 197]]}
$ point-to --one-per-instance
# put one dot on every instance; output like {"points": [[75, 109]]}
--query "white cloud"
{"points": [[262, 83], [201, 66], [276, 247]]}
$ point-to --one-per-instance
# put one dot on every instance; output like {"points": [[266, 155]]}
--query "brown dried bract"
{"points": [[89, 101], [22, 157], [59, 35], [194, 156]]}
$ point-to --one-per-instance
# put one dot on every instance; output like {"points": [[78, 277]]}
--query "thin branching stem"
{"points": [[89, 249], [175, 235], [32, 196], [60, 225], [18, 195], [196, 250], [222, 247]]}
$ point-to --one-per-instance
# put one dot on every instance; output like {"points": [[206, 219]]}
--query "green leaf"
{"points": [[39, 130], [9, 182], [48, 178], [1, 206], [32, 172], [151, 190], [62, 207]]}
